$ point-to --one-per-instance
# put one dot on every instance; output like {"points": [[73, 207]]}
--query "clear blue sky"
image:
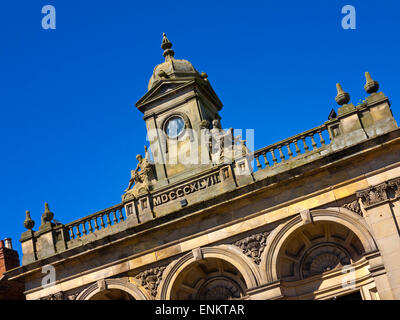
{"points": [[69, 131]]}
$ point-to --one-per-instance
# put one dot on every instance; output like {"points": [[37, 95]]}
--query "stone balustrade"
{"points": [[287, 149], [96, 221], [292, 147]]}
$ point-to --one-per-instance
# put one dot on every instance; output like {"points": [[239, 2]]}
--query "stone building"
{"points": [[314, 216]]}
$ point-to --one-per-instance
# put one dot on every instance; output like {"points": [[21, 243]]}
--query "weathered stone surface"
{"points": [[199, 230], [253, 246], [151, 279]]}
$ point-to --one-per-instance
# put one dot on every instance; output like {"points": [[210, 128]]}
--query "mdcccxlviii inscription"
{"points": [[186, 189]]}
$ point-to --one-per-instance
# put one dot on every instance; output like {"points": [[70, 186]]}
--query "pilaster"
{"points": [[381, 210]]}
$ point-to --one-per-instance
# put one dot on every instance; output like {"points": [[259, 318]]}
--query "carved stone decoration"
{"points": [[306, 216], [197, 254], [150, 279], [142, 178], [244, 150], [223, 145], [240, 148], [364, 196], [206, 136], [371, 85], [373, 194], [253, 245], [395, 185], [324, 262], [101, 284], [28, 223], [47, 215], [219, 289], [54, 296], [342, 97], [353, 206], [128, 196], [205, 124], [323, 258], [220, 139], [378, 193]]}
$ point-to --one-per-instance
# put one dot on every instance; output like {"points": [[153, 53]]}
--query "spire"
{"points": [[166, 45], [342, 97], [371, 86]]}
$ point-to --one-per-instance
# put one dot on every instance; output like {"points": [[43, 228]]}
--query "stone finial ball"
{"points": [[28, 223]]}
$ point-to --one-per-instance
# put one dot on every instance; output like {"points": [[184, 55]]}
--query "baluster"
{"points": [[90, 225], [258, 163], [84, 227], [273, 156], [115, 220], [265, 159], [297, 147], [78, 232], [330, 134], [96, 226], [71, 232], [121, 216], [305, 144], [108, 219], [102, 222], [281, 153], [313, 143], [321, 138], [290, 153]]}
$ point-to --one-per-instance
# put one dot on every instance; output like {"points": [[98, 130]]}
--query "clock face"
{"points": [[174, 127]]}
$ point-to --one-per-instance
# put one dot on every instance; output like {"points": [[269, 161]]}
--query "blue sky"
{"points": [[69, 131]]}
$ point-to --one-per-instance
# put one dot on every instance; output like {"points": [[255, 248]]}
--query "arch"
{"points": [[229, 253], [119, 284], [276, 239]]}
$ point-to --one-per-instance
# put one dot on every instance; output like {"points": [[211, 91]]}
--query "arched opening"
{"points": [[322, 260], [112, 294], [316, 248], [112, 289], [208, 279], [221, 272], [323, 257]]}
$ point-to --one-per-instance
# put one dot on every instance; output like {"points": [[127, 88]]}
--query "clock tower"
{"points": [[179, 103]]}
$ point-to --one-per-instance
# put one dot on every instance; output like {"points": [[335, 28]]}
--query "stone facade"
{"points": [[314, 216]]}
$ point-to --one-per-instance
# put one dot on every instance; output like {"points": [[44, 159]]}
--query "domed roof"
{"points": [[171, 68]]}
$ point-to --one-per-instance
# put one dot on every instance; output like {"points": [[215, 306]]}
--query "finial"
{"points": [[28, 223], [166, 45], [342, 97], [47, 215], [371, 86]]}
